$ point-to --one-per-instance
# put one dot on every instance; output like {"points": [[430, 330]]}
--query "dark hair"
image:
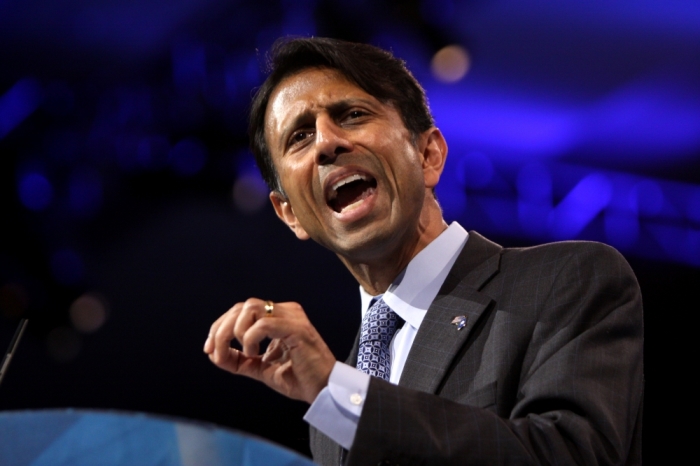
{"points": [[376, 71]]}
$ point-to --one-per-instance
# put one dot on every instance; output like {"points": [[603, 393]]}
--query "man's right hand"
{"points": [[297, 362]]}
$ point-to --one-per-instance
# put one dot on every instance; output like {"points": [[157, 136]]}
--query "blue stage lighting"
{"points": [[35, 191], [535, 184], [152, 152], [299, 18], [85, 192], [189, 67], [475, 170], [502, 212], [188, 157], [648, 198], [583, 203], [621, 229], [438, 12], [680, 244], [694, 206], [18, 103], [534, 218], [452, 198]]}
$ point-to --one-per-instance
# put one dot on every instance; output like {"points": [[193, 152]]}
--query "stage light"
{"points": [[189, 67], [475, 170], [85, 192], [648, 197], [680, 244], [534, 183], [621, 228], [188, 157], [450, 64], [88, 313], [18, 103], [152, 152], [694, 206], [35, 191], [534, 218], [250, 193], [583, 203]]}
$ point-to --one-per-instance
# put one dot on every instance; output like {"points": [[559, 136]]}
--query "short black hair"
{"points": [[374, 70]]}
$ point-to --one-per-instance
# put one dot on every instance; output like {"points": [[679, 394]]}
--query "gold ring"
{"points": [[269, 306]]}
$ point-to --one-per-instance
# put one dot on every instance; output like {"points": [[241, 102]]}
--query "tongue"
{"points": [[350, 194]]}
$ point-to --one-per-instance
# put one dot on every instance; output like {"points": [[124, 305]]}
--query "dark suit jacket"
{"points": [[548, 369]]}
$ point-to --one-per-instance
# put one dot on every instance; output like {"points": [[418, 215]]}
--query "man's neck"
{"points": [[376, 276]]}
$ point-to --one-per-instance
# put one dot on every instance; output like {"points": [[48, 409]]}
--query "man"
{"points": [[506, 356]]}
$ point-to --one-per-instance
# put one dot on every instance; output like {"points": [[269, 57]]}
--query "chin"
{"points": [[365, 245]]}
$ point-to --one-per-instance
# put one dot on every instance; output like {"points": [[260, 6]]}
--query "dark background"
{"points": [[125, 177]]}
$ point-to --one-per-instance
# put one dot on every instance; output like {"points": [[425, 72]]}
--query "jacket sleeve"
{"points": [[578, 395]]}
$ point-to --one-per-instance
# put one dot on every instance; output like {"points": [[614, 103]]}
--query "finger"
{"points": [[252, 311], [209, 343], [286, 323], [224, 334], [276, 328], [276, 352], [238, 363], [230, 361]]}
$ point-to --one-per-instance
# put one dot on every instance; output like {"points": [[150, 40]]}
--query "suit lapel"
{"points": [[438, 340], [352, 358]]}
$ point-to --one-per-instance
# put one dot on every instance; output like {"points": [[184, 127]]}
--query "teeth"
{"points": [[347, 180], [352, 206]]}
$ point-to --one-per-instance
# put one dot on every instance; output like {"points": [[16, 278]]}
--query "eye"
{"points": [[300, 136], [355, 114]]}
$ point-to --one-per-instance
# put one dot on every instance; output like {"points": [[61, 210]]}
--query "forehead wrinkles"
{"points": [[303, 92]]}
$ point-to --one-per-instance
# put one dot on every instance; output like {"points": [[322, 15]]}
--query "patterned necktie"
{"points": [[378, 328]]}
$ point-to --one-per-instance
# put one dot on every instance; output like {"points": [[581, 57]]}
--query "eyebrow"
{"points": [[333, 108], [342, 105]]}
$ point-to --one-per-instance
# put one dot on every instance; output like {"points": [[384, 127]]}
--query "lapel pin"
{"points": [[460, 322]]}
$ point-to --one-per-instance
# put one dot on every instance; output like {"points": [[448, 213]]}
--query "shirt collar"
{"points": [[412, 292]]}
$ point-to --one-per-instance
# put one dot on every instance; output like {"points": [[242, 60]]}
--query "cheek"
{"points": [[298, 181], [404, 164]]}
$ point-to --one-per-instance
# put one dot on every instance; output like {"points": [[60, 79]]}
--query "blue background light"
{"points": [[35, 191], [17, 103], [85, 192], [188, 157]]}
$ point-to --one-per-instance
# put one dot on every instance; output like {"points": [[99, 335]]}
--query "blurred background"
{"points": [[133, 215]]}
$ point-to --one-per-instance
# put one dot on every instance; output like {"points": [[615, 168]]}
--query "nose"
{"points": [[331, 140]]}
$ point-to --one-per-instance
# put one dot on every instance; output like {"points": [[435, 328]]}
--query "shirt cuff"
{"points": [[337, 408]]}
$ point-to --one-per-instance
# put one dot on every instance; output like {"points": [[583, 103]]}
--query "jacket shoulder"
{"points": [[580, 253]]}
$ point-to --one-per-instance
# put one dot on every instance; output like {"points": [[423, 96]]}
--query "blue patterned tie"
{"points": [[378, 328]]}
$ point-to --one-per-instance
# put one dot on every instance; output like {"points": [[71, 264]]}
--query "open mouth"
{"points": [[349, 192]]}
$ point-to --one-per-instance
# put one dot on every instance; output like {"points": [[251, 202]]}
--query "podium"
{"points": [[95, 438]]}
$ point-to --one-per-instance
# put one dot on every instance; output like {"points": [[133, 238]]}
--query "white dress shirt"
{"points": [[337, 408]]}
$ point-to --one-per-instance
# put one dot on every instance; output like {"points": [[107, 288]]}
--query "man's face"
{"points": [[353, 177]]}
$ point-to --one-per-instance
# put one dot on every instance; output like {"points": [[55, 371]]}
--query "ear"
{"points": [[284, 211], [434, 156]]}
